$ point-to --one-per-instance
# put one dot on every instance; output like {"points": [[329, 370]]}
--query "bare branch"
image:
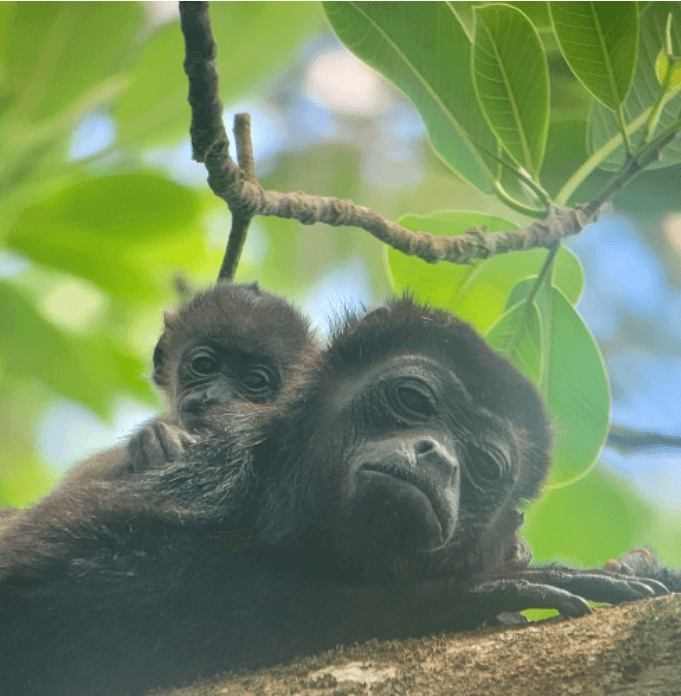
{"points": [[237, 185], [207, 128], [627, 440], [199, 64]]}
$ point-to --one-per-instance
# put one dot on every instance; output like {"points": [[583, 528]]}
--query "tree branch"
{"points": [[207, 128], [627, 440], [237, 185]]}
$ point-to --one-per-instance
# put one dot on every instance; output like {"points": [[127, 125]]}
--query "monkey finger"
{"points": [[596, 585], [657, 586], [518, 595]]}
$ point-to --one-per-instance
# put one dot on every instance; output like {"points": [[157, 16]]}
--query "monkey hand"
{"points": [[552, 587], [156, 444], [641, 563]]}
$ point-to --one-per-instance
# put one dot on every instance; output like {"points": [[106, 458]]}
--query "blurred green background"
{"points": [[102, 207]]}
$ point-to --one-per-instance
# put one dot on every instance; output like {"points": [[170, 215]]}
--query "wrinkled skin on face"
{"points": [[380, 498]]}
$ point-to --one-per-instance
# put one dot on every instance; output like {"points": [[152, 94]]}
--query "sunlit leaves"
{"points": [[645, 89], [255, 40], [84, 371], [599, 42], [424, 50], [573, 380], [53, 52], [511, 80], [661, 68], [479, 292], [564, 521], [517, 335], [101, 230]]}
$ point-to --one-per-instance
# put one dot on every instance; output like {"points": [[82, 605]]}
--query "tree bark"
{"points": [[632, 649]]}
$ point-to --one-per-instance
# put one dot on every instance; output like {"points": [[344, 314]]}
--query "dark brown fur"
{"points": [[381, 497], [243, 317]]}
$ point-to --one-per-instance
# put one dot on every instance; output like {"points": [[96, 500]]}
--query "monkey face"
{"points": [[212, 374], [412, 456]]}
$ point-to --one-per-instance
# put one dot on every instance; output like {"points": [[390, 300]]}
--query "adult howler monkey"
{"points": [[382, 500], [233, 342]]}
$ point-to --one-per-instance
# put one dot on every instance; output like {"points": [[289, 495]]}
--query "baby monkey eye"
{"points": [[205, 364], [257, 380]]}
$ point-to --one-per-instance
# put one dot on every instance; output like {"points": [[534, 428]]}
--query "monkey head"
{"points": [[231, 343], [423, 443]]}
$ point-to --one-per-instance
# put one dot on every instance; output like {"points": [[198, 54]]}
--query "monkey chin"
{"points": [[399, 513]]}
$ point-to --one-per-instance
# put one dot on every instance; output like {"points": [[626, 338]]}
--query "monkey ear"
{"points": [[169, 317], [159, 375]]}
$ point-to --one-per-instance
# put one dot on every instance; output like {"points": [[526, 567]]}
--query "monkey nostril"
{"points": [[424, 446]]}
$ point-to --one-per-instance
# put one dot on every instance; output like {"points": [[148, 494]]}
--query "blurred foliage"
{"points": [[96, 241]]}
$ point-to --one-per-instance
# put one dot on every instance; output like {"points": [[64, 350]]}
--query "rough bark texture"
{"points": [[633, 649]]}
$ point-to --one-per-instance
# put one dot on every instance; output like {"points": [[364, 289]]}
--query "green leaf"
{"points": [[100, 229], [564, 278], [255, 40], [478, 292], [88, 372], [511, 80], [74, 46], [517, 336], [596, 518], [599, 42], [573, 381], [575, 387], [423, 48], [645, 89]]}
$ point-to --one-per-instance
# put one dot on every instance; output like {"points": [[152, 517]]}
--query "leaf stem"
{"points": [[606, 149]]}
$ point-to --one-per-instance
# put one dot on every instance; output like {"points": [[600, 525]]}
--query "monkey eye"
{"points": [[205, 364], [258, 380], [413, 401], [488, 464]]}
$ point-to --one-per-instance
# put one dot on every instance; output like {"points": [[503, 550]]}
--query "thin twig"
{"points": [[244, 145]]}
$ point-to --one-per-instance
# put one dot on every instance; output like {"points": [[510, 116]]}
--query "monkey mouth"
{"points": [[423, 489]]}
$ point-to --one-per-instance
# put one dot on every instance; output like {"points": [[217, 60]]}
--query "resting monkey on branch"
{"points": [[382, 495]]}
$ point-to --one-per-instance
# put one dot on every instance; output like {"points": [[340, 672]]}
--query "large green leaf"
{"points": [[574, 383], [87, 371], [52, 52], [114, 231], [599, 42], [517, 335], [536, 12], [424, 50], [254, 39], [511, 78], [602, 123], [577, 390], [596, 518], [478, 292]]}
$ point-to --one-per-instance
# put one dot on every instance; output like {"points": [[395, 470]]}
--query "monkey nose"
{"points": [[432, 454]]}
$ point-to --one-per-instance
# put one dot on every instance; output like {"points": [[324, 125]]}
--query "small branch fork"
{"points": [[237, 186]]}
